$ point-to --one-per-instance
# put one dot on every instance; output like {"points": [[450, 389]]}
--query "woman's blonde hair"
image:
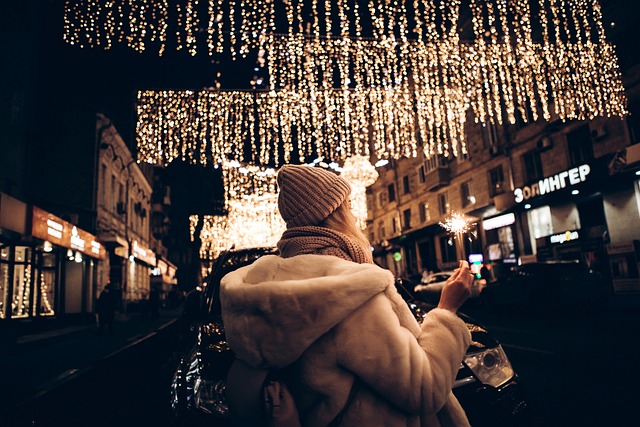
{"points": [[343, 220]]}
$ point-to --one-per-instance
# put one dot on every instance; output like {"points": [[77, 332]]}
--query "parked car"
{"points": [[486, 385], [548, 286], [430, 288]]}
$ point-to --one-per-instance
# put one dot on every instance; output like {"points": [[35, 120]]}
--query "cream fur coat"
{"points": [[338, 320]]}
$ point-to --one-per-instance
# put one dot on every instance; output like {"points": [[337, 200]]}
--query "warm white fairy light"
{"points": [[22, 294], [458, 224], [208, 127], [47, 309], [570, 71], [252, 219], [359, 173]]}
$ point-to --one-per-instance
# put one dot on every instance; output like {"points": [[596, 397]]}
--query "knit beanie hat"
{"points": [[309, 194]]}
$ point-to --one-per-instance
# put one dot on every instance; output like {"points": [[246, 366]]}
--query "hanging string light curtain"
{"points": [[359, 173], [252, 219], [208, 127], [522, 60]]}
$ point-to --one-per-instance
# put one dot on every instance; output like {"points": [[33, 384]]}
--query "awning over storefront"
{"points": [[165, 272], [13, 216], [49, 227]]}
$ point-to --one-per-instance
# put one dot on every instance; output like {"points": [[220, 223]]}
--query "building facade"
{"points": [[542, 191], [123, 221]]}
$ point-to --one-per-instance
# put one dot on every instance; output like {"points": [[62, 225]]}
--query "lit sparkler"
{"points": [[457, 224]]}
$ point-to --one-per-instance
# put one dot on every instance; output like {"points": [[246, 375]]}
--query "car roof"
{"points": [[226, 262]]}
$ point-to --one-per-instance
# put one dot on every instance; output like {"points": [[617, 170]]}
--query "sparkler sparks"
{"points": [[458, 224]]}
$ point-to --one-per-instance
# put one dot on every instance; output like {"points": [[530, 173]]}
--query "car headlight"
{"points": [[490, 366], [209, 397]]}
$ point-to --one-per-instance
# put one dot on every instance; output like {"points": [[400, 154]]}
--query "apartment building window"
{"points": [[407, 219], [424, 212], [462, 155], [382, 199], [395, 225], [532, 165], [465, 192], [381, 231], [443, 203], [405, 184], [115, 193], [104, 191], [492, 135], [496, 181], [434, 162], [447, 249], [580, 145], [422, 174], [391, 189]]}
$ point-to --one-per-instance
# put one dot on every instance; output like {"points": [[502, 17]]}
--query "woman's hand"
{"points": [[457, 289]]}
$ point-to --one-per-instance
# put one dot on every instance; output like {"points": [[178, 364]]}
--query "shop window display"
{"points": [[46, 286], [4, 281], [540, 222], [22, 278]]}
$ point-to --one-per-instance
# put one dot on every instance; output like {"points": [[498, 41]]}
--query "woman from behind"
{"points": [[354, 352]]}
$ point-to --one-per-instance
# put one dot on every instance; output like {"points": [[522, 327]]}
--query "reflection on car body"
{"points": [[430, 288], [486, 384]]}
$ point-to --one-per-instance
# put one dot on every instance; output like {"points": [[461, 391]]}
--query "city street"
{"points": [[575, 367], [150, 148]]}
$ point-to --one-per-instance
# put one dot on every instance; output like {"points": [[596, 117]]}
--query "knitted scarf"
{"points": [[321, 241]]}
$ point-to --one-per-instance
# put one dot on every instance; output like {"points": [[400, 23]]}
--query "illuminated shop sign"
{"points": [[498, 221], [564, 237], [143, 253], [550, 184], [50, 228], [476, 258], [54, 229]]}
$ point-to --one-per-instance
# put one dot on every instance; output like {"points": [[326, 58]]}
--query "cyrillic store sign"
{"points": [[49, 227], [553, 183]]}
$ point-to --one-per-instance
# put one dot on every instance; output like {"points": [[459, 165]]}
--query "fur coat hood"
{"points": [[340, 321]]}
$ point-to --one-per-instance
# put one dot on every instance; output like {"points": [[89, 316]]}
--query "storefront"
{"points": [[13, 228], [578, 215], [48, 268], [138, 261], [163, 276], [65, 264]]}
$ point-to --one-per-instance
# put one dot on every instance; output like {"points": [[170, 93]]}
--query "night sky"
{"points": [[109, 80]]}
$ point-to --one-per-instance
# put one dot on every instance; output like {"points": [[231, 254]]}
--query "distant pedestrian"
{"points": [[106, 309]]}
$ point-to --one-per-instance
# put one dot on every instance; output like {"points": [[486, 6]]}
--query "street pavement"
{"points": [[40, 362]]}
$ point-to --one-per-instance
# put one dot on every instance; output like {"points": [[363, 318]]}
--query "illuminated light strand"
{"points": [[252, 219], [359, 173], [48, 309], [22, 294], [207, 127], [572, 74]]}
